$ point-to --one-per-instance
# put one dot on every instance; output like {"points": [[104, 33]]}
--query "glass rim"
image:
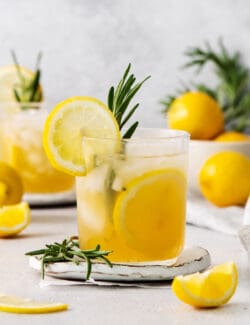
{"points": [[167, 134]]}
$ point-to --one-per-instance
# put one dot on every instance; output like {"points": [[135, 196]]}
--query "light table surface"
{"points": [[113, 305]]}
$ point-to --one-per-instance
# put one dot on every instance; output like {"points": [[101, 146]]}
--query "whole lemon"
{"points": [[11, 187], [196, 113], [232, 136], [225, 178]]}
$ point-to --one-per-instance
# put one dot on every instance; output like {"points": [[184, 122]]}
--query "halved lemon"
{"points": [[9, 78], [18, 305], [13, 219], [11, 187], [150, 213], [209, 289], [66, 126]]}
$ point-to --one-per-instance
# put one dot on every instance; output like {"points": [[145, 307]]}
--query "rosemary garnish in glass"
{"points": [[68, 250], [120, 97], [27, 90]]}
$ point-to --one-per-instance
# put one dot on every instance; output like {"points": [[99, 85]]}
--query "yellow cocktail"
{"points": [[22, 148], [133, 202]]}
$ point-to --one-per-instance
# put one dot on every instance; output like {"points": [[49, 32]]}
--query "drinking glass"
{"points": [[132, 200], [21, 146]]}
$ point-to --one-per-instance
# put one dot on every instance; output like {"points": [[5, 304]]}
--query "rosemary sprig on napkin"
{"points": [[68, 250], [27, 89], [120, 97]]}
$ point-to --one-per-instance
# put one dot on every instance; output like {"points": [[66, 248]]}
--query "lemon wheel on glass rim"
{"points": [[68, 123]]}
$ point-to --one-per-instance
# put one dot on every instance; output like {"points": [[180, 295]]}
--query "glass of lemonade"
{"points": [[133, 201], [22, 148]]}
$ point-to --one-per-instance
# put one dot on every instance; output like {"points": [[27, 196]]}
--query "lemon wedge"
{"points": [[18, 305], [11, 188], [67, 125], [9, 78], [149, 214], [209, 289], [13, 219]]}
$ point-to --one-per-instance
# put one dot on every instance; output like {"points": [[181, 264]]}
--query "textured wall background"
{"points": [[88, 43]]}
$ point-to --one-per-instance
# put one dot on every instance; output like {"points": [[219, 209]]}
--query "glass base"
{"points": [[42, 199]]}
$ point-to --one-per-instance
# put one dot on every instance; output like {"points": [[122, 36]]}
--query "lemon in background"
{"points": [[11, 188], [196, 113], [225, 179], [232, 136]]}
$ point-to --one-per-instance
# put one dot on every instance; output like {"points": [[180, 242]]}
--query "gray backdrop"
{"points": [[88, 43]]}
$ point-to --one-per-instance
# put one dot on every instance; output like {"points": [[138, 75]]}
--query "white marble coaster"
{"points": [[192, 260]]}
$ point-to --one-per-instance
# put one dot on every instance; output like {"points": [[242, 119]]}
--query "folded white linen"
{"points": [[202, 213]]}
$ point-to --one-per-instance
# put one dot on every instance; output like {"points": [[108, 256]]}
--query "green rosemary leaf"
{"points": [[127, 117], [120, 97], [106, 261], [131, 131], [89, 268], [19, 73], [16, 95], [37, 252], [123, 107], [127, 86], [111, 98], [119, 87], [34, 85]]}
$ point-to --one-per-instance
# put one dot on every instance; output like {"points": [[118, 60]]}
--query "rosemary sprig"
{"points": [[120, 97], [68, 250], [232, 91], [27, 89]]}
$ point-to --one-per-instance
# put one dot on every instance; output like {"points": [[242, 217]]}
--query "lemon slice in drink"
{"points": [[11, 188], [13, 219], [209, 289], [149, 210], [67, 125], [18, 305], [9, 78]]}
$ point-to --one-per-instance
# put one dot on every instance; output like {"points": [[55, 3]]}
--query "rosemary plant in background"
{"points": [[119, 99], [68, 250], [232, 91], [27, 89]]}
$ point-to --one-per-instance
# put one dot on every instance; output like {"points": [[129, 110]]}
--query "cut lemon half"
{"points": [[209, 289], [9, 78], [11, 188], [69, 123], [18, 305], [150, 213], [13, 219]]}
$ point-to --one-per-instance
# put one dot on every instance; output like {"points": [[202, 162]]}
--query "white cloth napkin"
{"points": [[201, 213], [244, 231]]}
